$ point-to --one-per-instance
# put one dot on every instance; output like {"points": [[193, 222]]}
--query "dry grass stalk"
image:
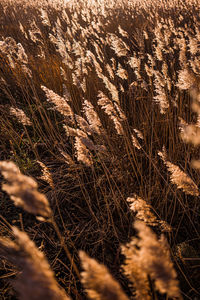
{"points": [[36, 280], [23, 190], [80, 32], [178, 177], [97, 280]]}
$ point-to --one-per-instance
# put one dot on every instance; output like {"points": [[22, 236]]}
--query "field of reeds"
{"points": [[99, 149]]}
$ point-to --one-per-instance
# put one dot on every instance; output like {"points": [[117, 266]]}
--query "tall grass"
{"points": [[100, 104]]}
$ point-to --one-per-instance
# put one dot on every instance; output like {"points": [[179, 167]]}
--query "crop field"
{"points": [[99, 149]]}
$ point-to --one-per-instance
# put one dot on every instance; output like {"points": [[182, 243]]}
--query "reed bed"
{"points": [[99, 151]]}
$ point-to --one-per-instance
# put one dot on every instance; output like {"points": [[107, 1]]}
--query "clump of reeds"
{"points": [[115, 66], [23, 191]]}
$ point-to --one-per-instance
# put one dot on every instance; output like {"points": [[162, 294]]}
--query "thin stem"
{"points": [[64, 246]]}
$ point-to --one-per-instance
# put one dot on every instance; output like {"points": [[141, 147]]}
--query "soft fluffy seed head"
{"points": [[118, 45], [59, 102], [134, 271], [135, 142], [178, 177], [82, 153], [20, 115], [36, 279], [84, 125], [46, 175], [154, 255], [110, 71], [99, 283], [196, 164], [113, 111], [121, 72], [186, 80], [160, 94], [23, 190], [142, 210], [110, 87], [92, 117], [123, 32], [139, 133], [66, 156], [45, 18], [191, 134]]}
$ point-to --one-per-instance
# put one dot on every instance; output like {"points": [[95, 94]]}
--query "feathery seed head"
{"points": [[23, 191], [99, 283], [36, 280]]}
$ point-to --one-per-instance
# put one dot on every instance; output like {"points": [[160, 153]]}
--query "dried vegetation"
{"points": [[100, 129]]}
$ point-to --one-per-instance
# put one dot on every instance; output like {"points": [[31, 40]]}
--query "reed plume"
{"points": [[148, 255], [113, 111], [142, 209], [20, 115], [82, 153], [60, 103], [36, 280], [92, 117], [23, 190], [178, 177], [46, 175], [99, 283]]}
